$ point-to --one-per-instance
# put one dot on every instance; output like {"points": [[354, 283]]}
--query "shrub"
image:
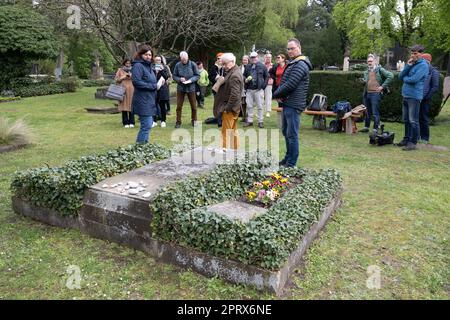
{"points": [[71, 83], [41, 89], [180, 214], [9, 99], [62, 188], [347, 86], [97, 83], [16, 134]]}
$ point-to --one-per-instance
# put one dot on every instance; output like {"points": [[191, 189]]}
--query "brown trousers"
{"points": [[229, 130], [180, 102]]}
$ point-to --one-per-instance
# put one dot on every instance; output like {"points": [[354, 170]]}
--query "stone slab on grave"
{"points": [[124, 201], [237, 210]]}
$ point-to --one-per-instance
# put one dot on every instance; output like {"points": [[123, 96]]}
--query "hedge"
{"points": [[97, 83], [62, 188], [9, 99], [180, 214], [339, 86]]}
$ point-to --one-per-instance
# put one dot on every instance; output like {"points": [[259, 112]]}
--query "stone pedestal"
{"points": [[446, 86]]}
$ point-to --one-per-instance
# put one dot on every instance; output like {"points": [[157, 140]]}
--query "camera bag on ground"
{"points": [[381, 138]]}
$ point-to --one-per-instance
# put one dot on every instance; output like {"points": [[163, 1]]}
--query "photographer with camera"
{"points": [[377, 81]]}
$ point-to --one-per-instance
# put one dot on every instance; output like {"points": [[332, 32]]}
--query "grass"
{"points": [[395, 216]]}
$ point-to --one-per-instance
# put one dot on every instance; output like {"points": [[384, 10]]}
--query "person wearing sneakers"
{"points": [[376, 79], [413, 76], [430, 88], [123, 77], [162, 97], [256, 79]]}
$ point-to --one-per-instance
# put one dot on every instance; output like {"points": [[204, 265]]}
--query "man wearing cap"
{"points": [[413, 76], [256, 79], [430, 88]]}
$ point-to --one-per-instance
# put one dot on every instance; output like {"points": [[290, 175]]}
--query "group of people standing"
{"points": [[420, 82], [147, 66], [248, 85]]}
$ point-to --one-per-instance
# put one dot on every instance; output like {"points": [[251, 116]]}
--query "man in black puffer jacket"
{"points": [[292, 94]]}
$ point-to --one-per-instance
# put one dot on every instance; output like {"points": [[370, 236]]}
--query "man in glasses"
{"points": [[377, 80], [292, 94]]}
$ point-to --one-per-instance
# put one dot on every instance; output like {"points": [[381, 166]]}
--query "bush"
{"points": [[180, 214], [347, 86], [97, 83], [62, 188], [41, 89], [25, 36], [9, 99], [71, 83], [17, 134]]}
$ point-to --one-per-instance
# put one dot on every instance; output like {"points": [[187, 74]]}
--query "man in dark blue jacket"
{"points": [[430, 88], [413, 76], [292, 94]]}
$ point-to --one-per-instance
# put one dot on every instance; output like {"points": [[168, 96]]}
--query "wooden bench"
{"points": [[349, 118]]}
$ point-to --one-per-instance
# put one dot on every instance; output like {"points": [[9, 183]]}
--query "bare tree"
{"points": [[167, 24]]}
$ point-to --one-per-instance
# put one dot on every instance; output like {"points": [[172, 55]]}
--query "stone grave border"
{"points": [[187, 258]]}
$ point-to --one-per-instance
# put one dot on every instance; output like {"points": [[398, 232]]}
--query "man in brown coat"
{"points": [[228, 100]]}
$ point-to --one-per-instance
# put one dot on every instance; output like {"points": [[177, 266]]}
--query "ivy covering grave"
{"points": [[181, 215], [62, 188]]}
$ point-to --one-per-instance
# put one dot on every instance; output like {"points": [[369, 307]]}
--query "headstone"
{"points": [[97, 70], [346, 64], [446, 86], [59, 66]]}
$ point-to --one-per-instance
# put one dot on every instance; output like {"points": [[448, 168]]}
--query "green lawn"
{"points": [[395, 215]]}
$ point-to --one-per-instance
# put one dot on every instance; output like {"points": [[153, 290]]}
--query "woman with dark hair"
{"points": [[277, 71], [163, 96], [145, 85], [123, 77]]}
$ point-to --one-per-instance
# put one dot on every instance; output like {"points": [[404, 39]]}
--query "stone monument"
{"points": [[97, 70], [346, 64]]}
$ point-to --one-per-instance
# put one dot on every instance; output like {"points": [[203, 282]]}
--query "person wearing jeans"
{"points": [[292, 94], [372, 101], [413, 76], [291, 128], [146, 127], [145, 86], [430, 88], [376, 79]]}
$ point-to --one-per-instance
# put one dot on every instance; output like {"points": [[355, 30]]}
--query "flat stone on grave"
{"points": [[237, 210]]}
